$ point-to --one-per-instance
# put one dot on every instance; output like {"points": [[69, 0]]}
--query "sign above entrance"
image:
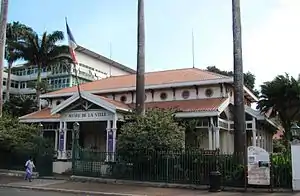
{"points": [[91, 115]]}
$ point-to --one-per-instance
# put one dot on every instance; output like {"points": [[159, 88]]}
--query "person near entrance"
{"points": [[29, 165]]}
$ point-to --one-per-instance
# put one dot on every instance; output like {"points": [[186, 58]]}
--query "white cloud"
{"points": [[272, 46]]}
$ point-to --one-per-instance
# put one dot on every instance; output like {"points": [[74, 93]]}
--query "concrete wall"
{"points": [[169, 92], [105, 68], [60, 167]]}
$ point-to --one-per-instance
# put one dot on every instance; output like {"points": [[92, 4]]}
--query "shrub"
{"points": [[156, 131]]}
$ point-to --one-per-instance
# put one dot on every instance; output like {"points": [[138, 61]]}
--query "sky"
{"points": [[270, 31]]}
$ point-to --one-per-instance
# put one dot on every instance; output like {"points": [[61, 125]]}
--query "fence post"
{"points": [[271, 172], [167, 167], [75, 145]]}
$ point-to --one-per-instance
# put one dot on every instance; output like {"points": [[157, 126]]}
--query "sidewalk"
{"points": [[90, 188]]}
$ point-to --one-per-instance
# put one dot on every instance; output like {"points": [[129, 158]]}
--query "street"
{"points": [[23, 192]]}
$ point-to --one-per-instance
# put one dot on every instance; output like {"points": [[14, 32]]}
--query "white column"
{"points": [[56, 140], [259, 139], [217, 137], [210, 141], [107, 132], [253, 132], [265, 140], [60, 153], [253, 137], [65, 139], [114, 129], [228, 142]]}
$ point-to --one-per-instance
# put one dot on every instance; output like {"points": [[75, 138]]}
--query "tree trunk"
{"points": [[38, 89], [8, 81], [240, 135], [140, 75], [4, 10]]}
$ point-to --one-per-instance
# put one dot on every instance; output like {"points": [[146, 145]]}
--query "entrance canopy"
{"points": [[84, 107], [100, 101]]}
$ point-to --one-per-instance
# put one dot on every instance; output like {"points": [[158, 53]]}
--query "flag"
{"points": [[72, 44], [72, 47]]}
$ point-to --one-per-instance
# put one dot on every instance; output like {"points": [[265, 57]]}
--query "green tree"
{"points": [[249, 78], [279, 146], [14, 32], [157, 130], [18, 141], [20, 105], [140, 75], [281, 97], [17, 137], [44, 52]]}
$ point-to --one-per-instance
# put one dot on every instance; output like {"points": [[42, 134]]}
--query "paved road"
{"points": [[20, 192]]}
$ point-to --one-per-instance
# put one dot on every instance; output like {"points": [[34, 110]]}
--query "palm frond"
{"points": [[55, 37]]}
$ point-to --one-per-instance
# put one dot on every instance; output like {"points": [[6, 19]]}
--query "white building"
{"points": [[92, 66], [197, 94]]}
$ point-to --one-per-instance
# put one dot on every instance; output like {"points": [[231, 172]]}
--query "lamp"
{"points": [[40, 128], [76, 130]]}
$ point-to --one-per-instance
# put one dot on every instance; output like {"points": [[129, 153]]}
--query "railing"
{"points": [[64, 155], [229, 125], [182, 167]]}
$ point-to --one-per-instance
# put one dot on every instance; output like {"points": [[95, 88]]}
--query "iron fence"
{"points": [[183, 167]]}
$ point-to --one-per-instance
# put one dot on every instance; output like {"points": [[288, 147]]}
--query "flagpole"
{"points": [[193, 48], [74, 62]]}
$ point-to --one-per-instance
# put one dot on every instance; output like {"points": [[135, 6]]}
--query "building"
{"points": [[92, 66], [100, 110]]}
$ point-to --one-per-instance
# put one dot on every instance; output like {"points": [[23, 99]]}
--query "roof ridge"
{"points": [[216, 74]]}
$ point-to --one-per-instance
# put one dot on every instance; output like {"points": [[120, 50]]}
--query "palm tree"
{"points": [[239, 112], [4, 10], [140, 74], [14, 33], [43, 52], [281, 98]]}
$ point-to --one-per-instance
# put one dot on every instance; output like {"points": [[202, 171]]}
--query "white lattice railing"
{"points": [[66, 155], [229, 125]]}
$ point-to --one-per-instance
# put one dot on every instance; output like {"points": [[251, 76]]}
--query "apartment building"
{"points": [[92, 66]]}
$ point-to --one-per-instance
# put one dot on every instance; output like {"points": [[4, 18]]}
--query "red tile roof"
{"points": [[196, 105], [116, 103], [46, 113], [42, 114], [151, 78]]}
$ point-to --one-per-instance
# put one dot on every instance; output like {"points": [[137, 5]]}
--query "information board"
{"points": [[258, 166]]}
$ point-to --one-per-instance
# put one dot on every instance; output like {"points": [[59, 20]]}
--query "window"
{"points": [[209, 92], [123, 98], [58, 83], [185, 94], [14, 84], [23, 85], [163, 96]]}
